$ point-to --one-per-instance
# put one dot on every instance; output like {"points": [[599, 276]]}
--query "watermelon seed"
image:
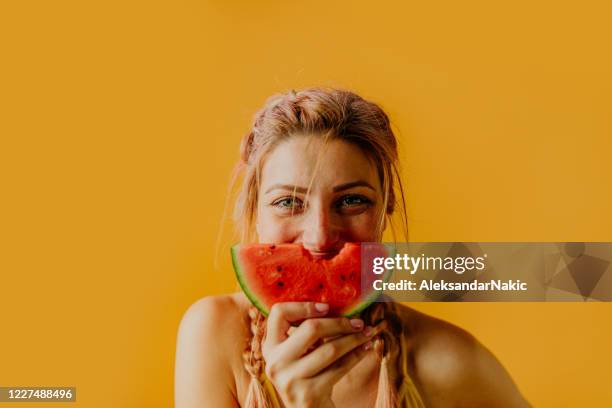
{"points": [[273, 246], [279, 268], [342, 277], [320, 286], [280, 284]]}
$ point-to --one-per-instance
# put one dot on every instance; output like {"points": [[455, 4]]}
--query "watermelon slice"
{"points": [[288, 272]]}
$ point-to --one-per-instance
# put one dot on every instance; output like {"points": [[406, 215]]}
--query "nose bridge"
{"points": [[319, 230]]}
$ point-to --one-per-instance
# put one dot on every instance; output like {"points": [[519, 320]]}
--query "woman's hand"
{"points": [[303, 378]]}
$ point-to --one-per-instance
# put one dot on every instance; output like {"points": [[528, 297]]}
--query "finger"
{"points": [[342, 366], [313, 331], [328, 353], [283, 313]]}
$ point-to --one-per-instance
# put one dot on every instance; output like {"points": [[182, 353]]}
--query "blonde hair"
{"points": [[332, 114]]}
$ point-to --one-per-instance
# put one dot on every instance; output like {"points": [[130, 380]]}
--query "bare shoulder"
{"points": [[453, 369], [211, 333], [221, 310]]}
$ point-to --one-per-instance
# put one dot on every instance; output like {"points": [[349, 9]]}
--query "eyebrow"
{"points": [[358, 183], [340, 187]]}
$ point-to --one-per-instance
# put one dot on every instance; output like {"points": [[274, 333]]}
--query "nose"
{"points": [[319, 232]]}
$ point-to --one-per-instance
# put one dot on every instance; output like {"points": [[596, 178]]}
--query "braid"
{"points": [[394, 373], [253, 361]]}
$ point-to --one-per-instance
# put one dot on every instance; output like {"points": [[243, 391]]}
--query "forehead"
{"points": [[335, 162]]}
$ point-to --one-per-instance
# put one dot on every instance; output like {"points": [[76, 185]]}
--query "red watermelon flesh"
{"points": [[288, 272]]}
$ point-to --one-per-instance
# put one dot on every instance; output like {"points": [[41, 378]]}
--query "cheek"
{"points": [[361, 228], [274, 229]]}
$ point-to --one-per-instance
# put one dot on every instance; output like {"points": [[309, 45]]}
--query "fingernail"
{"points": [[368, 331], [368, 345], [321, 307], [357, 324]]}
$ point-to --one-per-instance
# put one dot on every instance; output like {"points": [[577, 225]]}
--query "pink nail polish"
{"points": [[357, 324], [321, 307]]}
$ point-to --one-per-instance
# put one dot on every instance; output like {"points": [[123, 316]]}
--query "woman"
{"points": [[320, 169]]}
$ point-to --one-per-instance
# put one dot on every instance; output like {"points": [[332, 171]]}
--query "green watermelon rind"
{"points": [[361, 306], [241, 280], [364, 304]]}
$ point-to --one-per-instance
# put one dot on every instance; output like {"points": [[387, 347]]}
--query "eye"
{"points": [[288, 204], [353, 204]]}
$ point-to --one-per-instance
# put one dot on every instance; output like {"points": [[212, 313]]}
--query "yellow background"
{"points": [[120, 122]]}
